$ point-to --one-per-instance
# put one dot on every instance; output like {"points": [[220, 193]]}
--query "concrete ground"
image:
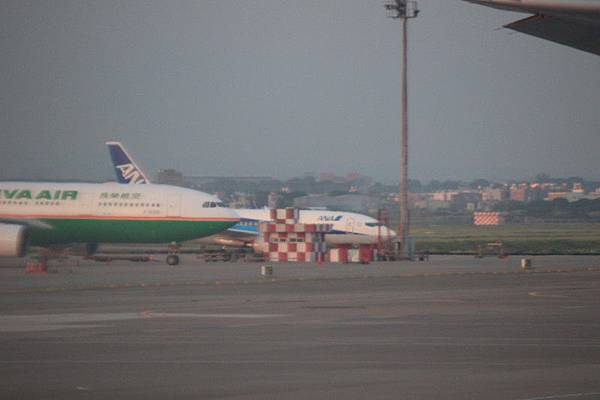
{"points": [[450, 328]]}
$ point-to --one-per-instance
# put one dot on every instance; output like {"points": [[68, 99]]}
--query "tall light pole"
{"points": [[403, 10]]}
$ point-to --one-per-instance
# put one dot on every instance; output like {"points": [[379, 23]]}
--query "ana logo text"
{"points": [[330, 217], [131, 174]]}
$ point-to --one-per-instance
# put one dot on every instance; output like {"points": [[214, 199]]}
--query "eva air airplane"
{"points": [[56, 214]]}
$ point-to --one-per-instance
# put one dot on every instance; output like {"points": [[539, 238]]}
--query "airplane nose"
{"points": [[230, 213], [391, 233], [225, 214]]}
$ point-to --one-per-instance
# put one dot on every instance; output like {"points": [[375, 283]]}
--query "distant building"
{"points": [[261, 199], [537, 193], [437, 205], [519, 193], [556, 195], [445, 195], [361, 182], [241, 200], [203, 180], [466, 201], [328, 176], [494, 194], [360, 203], [273, 200], [170, 177], [572, 196]]}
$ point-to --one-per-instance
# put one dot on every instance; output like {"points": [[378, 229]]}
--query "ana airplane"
{"points": [[348, 228], [56, 214], [574, 23]]}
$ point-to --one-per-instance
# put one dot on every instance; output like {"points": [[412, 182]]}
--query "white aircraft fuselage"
{"points": [[46, 214], [347, 228]]}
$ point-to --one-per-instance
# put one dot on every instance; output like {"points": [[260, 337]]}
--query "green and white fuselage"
{"points": [[61, 213]]}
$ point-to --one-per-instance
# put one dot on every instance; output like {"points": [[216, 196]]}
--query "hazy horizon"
{"points": [[278, 88]]}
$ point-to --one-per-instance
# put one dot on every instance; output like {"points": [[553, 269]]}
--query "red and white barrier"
{"points": [[338, 255], [36, 266], [488, 218], [285, 215], [364, 254], [287, 240]]}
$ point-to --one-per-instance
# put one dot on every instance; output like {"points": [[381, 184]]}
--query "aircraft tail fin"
{"points": [[126, 169]]}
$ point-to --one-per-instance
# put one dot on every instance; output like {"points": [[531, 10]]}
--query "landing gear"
{"points": [[173, 258], [90, 249]]}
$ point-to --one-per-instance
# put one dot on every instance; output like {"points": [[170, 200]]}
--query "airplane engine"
{"points": [[229, 242], [13, 240], [258, 247]]}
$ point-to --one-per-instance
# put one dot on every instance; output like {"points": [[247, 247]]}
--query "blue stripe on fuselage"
{"points": [[249, 226]]}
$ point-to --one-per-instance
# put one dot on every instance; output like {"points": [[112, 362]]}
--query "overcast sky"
{"points": [[279, 88]]}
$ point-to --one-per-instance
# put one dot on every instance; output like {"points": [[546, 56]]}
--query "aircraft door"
{"points": [[174, 206]]}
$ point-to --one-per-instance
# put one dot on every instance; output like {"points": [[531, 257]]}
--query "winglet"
{"points": [[126, 169]]}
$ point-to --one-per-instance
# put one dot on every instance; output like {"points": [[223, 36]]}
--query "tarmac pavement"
{"points": [[450, 328]]}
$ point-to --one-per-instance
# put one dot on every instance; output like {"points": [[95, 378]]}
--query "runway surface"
{"points": [[450, 328]]}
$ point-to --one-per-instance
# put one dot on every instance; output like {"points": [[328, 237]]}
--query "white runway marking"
{"points": [[225, 316], [48, 322], [540, 294]]}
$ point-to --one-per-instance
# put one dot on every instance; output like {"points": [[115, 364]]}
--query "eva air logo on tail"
{"points": [[131, 174], [26, 194]]}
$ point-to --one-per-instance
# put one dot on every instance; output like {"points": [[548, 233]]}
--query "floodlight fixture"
{"points": [[401, 9]]}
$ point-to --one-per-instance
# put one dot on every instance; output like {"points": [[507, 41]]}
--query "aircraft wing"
{"points": [[573, 24], [579, 35]]}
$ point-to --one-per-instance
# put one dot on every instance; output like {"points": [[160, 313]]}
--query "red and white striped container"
{"points": [[488, 218], [285, 215], [364, 254], [287, 240], [338, 255]]}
